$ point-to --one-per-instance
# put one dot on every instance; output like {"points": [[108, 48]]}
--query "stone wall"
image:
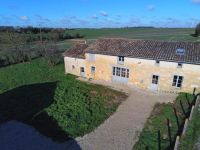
{"points": [[76, 62], [141, 71]]}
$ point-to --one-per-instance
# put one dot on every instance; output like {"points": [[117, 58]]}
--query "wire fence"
{"points": [[181, 126]]}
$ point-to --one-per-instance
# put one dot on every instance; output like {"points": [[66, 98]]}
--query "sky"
{"points": [[100, 13]]}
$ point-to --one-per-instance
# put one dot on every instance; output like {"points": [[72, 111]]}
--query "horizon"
{"points": [[74, 14]]}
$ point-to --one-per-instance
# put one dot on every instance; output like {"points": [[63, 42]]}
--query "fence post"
{"points": [[185, 126], [177, 121], [197, 101], [159, 141], [169, 132], [191, 112], [176, 143], [194, 90]]}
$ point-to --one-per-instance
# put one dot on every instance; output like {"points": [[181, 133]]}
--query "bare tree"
{"points": [[52, 54]]}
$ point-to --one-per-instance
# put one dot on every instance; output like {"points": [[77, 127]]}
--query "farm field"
{"points": [[176, 34], [57, 105]]}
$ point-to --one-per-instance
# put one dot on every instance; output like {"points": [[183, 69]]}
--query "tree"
{"points": [[197, 30], [15, 49], [52, 54]]}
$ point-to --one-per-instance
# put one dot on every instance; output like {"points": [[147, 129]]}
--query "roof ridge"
{"points": [[128, 39]]}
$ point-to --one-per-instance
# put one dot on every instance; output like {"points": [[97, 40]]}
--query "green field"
{"points": [[177, 34], [56, 104]]}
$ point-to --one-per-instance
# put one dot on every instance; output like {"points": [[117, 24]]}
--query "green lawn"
{"points": [[177, 34], [157, 121], [56, 104]]}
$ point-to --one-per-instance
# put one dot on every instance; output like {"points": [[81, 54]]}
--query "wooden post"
{"points": [[177, 121], [185, 126], [194, 90], [191, 112], [169, 132], [182, 108], [197, 101], [159, 140], [176, 143]]}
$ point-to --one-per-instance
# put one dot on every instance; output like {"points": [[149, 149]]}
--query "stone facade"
{"points": [[140, 72]]}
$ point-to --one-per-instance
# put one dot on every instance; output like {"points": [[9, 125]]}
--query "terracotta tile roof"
{"points": [[146, 49], [77, 51]]}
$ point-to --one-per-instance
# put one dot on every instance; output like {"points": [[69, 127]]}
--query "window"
{"points": [[127, 73], [114, 71], [180, 51], [155, 79], [120, 60], [180, 65], [177, 81], [157, 62], [121, 72], [92, 57], [118, 71], [82, 69], [93, 69], [73, 67]]}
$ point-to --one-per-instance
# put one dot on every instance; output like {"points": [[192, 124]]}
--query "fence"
{"points": [[182, 126]]}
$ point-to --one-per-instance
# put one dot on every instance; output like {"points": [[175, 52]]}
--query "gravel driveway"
{"points": [[120, 131]]}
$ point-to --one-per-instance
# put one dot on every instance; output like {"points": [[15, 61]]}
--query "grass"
{"points": [[157, 121], [56, 104], [177, 34], [192, 135]]}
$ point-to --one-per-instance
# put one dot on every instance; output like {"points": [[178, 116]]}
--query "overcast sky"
{"points": [[100, 13]]}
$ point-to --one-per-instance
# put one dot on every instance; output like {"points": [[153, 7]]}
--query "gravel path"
{"points": [[120, 131]]}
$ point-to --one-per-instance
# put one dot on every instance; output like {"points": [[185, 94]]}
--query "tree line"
{"points": [[35, 33], [19, 44]]}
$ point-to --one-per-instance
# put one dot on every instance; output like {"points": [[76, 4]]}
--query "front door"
{"points": [[154, 83], [82, 72]]}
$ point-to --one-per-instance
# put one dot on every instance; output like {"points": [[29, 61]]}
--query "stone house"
{"points": [[163, 66]]}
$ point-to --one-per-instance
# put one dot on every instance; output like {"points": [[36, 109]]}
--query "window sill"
{"points": [[177, 88], [120, 63]]}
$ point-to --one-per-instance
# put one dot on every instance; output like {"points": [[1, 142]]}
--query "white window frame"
{"points": [[155, 80], [120, 72], [120, 60], [93, 69], [177, 81], [180, 65], [157, 62]]}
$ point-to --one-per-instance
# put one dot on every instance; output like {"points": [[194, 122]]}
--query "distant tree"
{"points": [[197, 30], [16, 49], [52, 54]]}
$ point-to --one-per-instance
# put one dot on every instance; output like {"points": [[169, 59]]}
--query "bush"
{"points": [[197, 30]]}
